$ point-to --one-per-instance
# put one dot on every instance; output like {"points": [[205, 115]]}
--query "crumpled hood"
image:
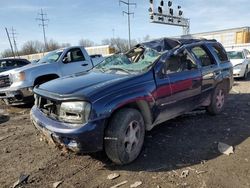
{"points": [[236, 61], [82, 84], [24, 68]]}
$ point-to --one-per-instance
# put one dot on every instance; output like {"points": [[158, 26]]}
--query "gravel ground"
{"points": [[187, 144]]}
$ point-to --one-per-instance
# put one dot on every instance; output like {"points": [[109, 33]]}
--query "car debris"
{"points": [[22, 179], [119, 184], [184, 173], [136, 184], [113, 176], [225, 149], [57, 184]]}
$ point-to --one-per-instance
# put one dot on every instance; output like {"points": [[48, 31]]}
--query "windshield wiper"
{"points": [[121, 69]]}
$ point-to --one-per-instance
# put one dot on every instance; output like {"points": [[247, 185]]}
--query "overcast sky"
{"points": [[69, 21]]}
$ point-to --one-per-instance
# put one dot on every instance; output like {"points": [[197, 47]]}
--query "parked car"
{"points": [[12, 63], [113, 105], [241, 62], [16, 85]]}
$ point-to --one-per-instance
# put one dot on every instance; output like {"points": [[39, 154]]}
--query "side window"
{"points": [[247, 54], [220, 52], [179, 63], [20, 63], [74, 55], [3, 64], [203, 56]]}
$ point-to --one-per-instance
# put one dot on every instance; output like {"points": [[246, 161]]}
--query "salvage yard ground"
{"points": [[183, 153]]}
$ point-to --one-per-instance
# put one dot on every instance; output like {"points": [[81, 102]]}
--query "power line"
{"points": [[10, 42], [42, 17], [128, 13], [13, 34]]}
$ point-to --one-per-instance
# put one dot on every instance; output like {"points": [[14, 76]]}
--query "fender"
{"points": [[139, 99]]}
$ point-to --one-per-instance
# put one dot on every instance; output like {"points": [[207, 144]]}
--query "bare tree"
{"points": [[31, 47], [6, 53], [86, 43], [52, 45], [121, 45]]}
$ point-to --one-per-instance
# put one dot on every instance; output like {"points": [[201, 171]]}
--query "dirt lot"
{"points": [[187, 143]]}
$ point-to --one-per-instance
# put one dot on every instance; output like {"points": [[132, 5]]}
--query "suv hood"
{"points": [[82, 84]]}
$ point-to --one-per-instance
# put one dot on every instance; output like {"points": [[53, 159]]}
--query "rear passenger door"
{"points": [[74, 61], [209, 68]]}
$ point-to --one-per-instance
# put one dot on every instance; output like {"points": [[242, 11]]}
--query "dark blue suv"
{"points": [[113, 105]]}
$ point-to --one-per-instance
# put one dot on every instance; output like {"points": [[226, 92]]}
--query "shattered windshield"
{"points": [[51, 57], [135, 61]]}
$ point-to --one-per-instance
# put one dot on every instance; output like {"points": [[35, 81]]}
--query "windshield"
{"points": [[137, 60], [235, 55], [51, 57]]}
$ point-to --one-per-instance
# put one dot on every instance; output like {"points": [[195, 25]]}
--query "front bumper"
{"points": [[238, 72], [17, 96], [84, 139]]}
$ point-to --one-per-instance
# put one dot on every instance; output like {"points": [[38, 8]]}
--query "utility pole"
{"points": [[13, 34], [10, 42], [128, 13], [42, 17]]}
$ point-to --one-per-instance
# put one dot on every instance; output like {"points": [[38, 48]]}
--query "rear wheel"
{"points": [[124, 136], [217, 100]]}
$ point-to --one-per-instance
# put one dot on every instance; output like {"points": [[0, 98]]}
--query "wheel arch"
{"points": [[142, 106], [46, 77]]}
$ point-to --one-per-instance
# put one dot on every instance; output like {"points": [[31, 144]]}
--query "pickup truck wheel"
{"points": [[124, 136], [217, 101]]}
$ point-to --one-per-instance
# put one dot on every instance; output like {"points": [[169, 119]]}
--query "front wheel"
{"points": [[124, 136], [217, 100]]}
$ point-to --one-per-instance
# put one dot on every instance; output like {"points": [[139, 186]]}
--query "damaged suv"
{"points": [[111, 107]]}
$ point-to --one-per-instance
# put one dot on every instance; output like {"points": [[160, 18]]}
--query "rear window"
{"points": [[235, 55], [220, 52]]}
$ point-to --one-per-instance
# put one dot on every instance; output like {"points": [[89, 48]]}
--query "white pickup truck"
{"points": [[16, 85]]}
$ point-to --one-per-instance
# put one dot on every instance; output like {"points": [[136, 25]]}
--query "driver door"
{"points": [[75, 62]]}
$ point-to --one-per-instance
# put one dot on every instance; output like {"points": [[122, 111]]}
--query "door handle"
{"points": [[84, 64]]}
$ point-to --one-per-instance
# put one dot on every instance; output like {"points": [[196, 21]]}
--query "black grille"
{"points": [[5, 81], [49, 107]]}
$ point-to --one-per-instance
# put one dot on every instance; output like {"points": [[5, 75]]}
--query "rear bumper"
{"points": [[84, 139]]}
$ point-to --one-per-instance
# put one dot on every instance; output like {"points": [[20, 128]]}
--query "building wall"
{"points": [[226, 37]]}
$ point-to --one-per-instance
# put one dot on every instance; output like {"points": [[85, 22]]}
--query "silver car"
{"points": [[240, 59]]}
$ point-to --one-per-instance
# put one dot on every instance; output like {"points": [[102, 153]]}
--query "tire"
{"points": [[124, 136], [246, 73], [218, 100]]}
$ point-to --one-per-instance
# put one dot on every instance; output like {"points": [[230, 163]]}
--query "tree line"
{"points": [[35, 46]]}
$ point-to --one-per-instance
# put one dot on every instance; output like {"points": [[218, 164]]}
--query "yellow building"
{"points": [[227, 37]]}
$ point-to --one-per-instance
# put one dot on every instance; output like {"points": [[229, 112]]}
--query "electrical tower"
{"points": [[128, 13], [13, 35], [42, 17]]}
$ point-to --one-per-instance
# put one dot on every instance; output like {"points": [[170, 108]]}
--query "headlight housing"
{"points": [[75, 112], [17, 77]]}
